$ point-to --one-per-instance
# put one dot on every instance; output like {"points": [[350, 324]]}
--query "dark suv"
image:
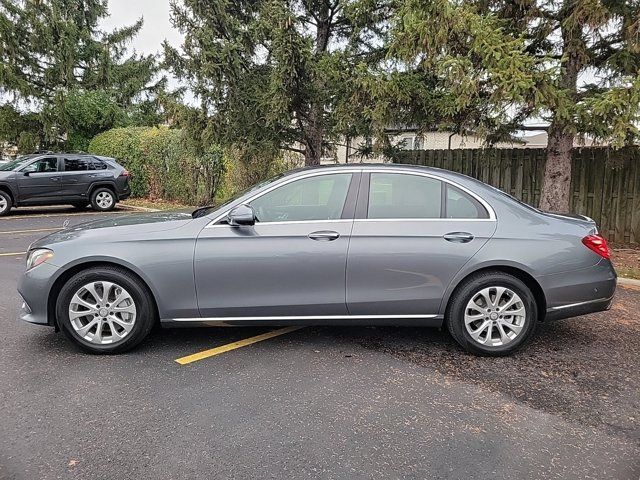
{"points": [[63, 178]]}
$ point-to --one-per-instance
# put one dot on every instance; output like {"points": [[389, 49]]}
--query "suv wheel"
{"points": [[103, 199], [5, 203], [105, 310], [492, 313]]}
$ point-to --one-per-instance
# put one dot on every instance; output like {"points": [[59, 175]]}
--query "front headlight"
{"points": [[38, 256]]}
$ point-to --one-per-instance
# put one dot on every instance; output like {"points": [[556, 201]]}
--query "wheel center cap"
{"points": [[493, 316], [103, 312]]}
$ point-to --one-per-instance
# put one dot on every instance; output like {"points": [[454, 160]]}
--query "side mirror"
{"points": [[241, 215], [26, 174]]}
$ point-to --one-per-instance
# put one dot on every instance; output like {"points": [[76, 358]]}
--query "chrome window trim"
{"points": [[490, 210], [291, 222], [296, 317]]}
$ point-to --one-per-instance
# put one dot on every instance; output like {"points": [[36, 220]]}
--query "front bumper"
{"points": [[34, 287], [580, 292]]}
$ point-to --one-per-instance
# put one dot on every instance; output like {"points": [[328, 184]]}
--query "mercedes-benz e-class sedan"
{"points": [[340, 245]]}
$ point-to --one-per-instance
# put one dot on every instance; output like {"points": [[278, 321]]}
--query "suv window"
{"points": [[462, 205], [398, 195], [44, 165], [97, 164], [76, 165], [316, 198]]}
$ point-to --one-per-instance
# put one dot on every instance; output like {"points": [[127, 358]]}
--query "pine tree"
{"points": [[55, 60], [274, 74], [495, 64]]}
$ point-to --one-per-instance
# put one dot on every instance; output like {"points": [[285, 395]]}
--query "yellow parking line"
{"points": [[33, 230], [232, 346], [15, 254]]}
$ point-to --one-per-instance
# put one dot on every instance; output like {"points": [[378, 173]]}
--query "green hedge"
{"points": [[163, 163]]}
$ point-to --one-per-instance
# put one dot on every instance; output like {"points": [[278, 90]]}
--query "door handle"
{"points": [[458, 237], [324, 235], [54, 179]]}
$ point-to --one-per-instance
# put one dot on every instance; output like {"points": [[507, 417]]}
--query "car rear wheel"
{"points": [[103, 199], [105, 310], [5, 203], [492, 313]]}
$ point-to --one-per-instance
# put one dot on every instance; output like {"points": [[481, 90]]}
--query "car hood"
{"points": [[4, 174], [119, 227]]}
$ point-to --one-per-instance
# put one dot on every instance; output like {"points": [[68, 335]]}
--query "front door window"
{"points": [[321, 197]]}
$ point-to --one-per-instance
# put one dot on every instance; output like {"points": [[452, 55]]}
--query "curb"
{"points": [[135, 208], [628, 281]]}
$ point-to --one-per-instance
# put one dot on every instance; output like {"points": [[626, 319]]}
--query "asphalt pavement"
{"points": [[316, 402]]}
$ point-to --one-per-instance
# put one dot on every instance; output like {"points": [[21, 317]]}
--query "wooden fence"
{"points": [[605, 183]]}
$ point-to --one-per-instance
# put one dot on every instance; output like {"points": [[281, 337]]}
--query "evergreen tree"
{"points": [[55, 61], [494, 64], [274, 74]]}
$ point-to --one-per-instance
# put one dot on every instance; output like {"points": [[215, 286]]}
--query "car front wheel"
{"points": [[492, 313], [103, 199], [5, 203], [105, 310]]}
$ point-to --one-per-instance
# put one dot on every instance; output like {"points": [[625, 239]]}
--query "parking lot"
{"points": [[314, 402]]}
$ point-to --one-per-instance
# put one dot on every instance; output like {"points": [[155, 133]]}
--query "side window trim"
{"points": [[362, 208]]}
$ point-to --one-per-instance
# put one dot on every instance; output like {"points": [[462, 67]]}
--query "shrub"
{"points": [[163, 163]]}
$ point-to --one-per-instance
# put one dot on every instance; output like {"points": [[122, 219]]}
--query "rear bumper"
{"points": [[580, 292], [575, 310]]}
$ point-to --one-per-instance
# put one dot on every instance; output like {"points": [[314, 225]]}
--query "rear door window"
{"points": [[76, 165], [399, 195]]}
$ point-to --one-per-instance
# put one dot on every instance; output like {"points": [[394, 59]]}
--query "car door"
{"points": [[39, 181], [291, 262], [76, 176], [406, 246]]}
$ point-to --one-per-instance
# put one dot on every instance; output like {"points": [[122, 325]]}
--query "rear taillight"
{"points": [[598, 244], [125, 173]]}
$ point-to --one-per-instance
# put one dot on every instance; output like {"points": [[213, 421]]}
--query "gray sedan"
{"points": [[340, 245]]}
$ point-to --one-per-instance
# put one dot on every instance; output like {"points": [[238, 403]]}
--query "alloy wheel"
{"points": [[495, 316], [3, 204], [102, 312], [104, 200]]}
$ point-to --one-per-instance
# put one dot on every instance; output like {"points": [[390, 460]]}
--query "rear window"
{"points": [[460, 204], [97, 164]]}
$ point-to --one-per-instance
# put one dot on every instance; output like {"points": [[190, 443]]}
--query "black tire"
{"points": [[5, 203], [96, 199], [455, 317], [144, 305]]}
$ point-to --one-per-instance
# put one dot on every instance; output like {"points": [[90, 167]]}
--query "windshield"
{"points": [[13, 164], [202, 211]]}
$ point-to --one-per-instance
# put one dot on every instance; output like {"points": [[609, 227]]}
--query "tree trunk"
{"points": [[313, 140], [315, 128], [556, 183], [557, 171]]}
